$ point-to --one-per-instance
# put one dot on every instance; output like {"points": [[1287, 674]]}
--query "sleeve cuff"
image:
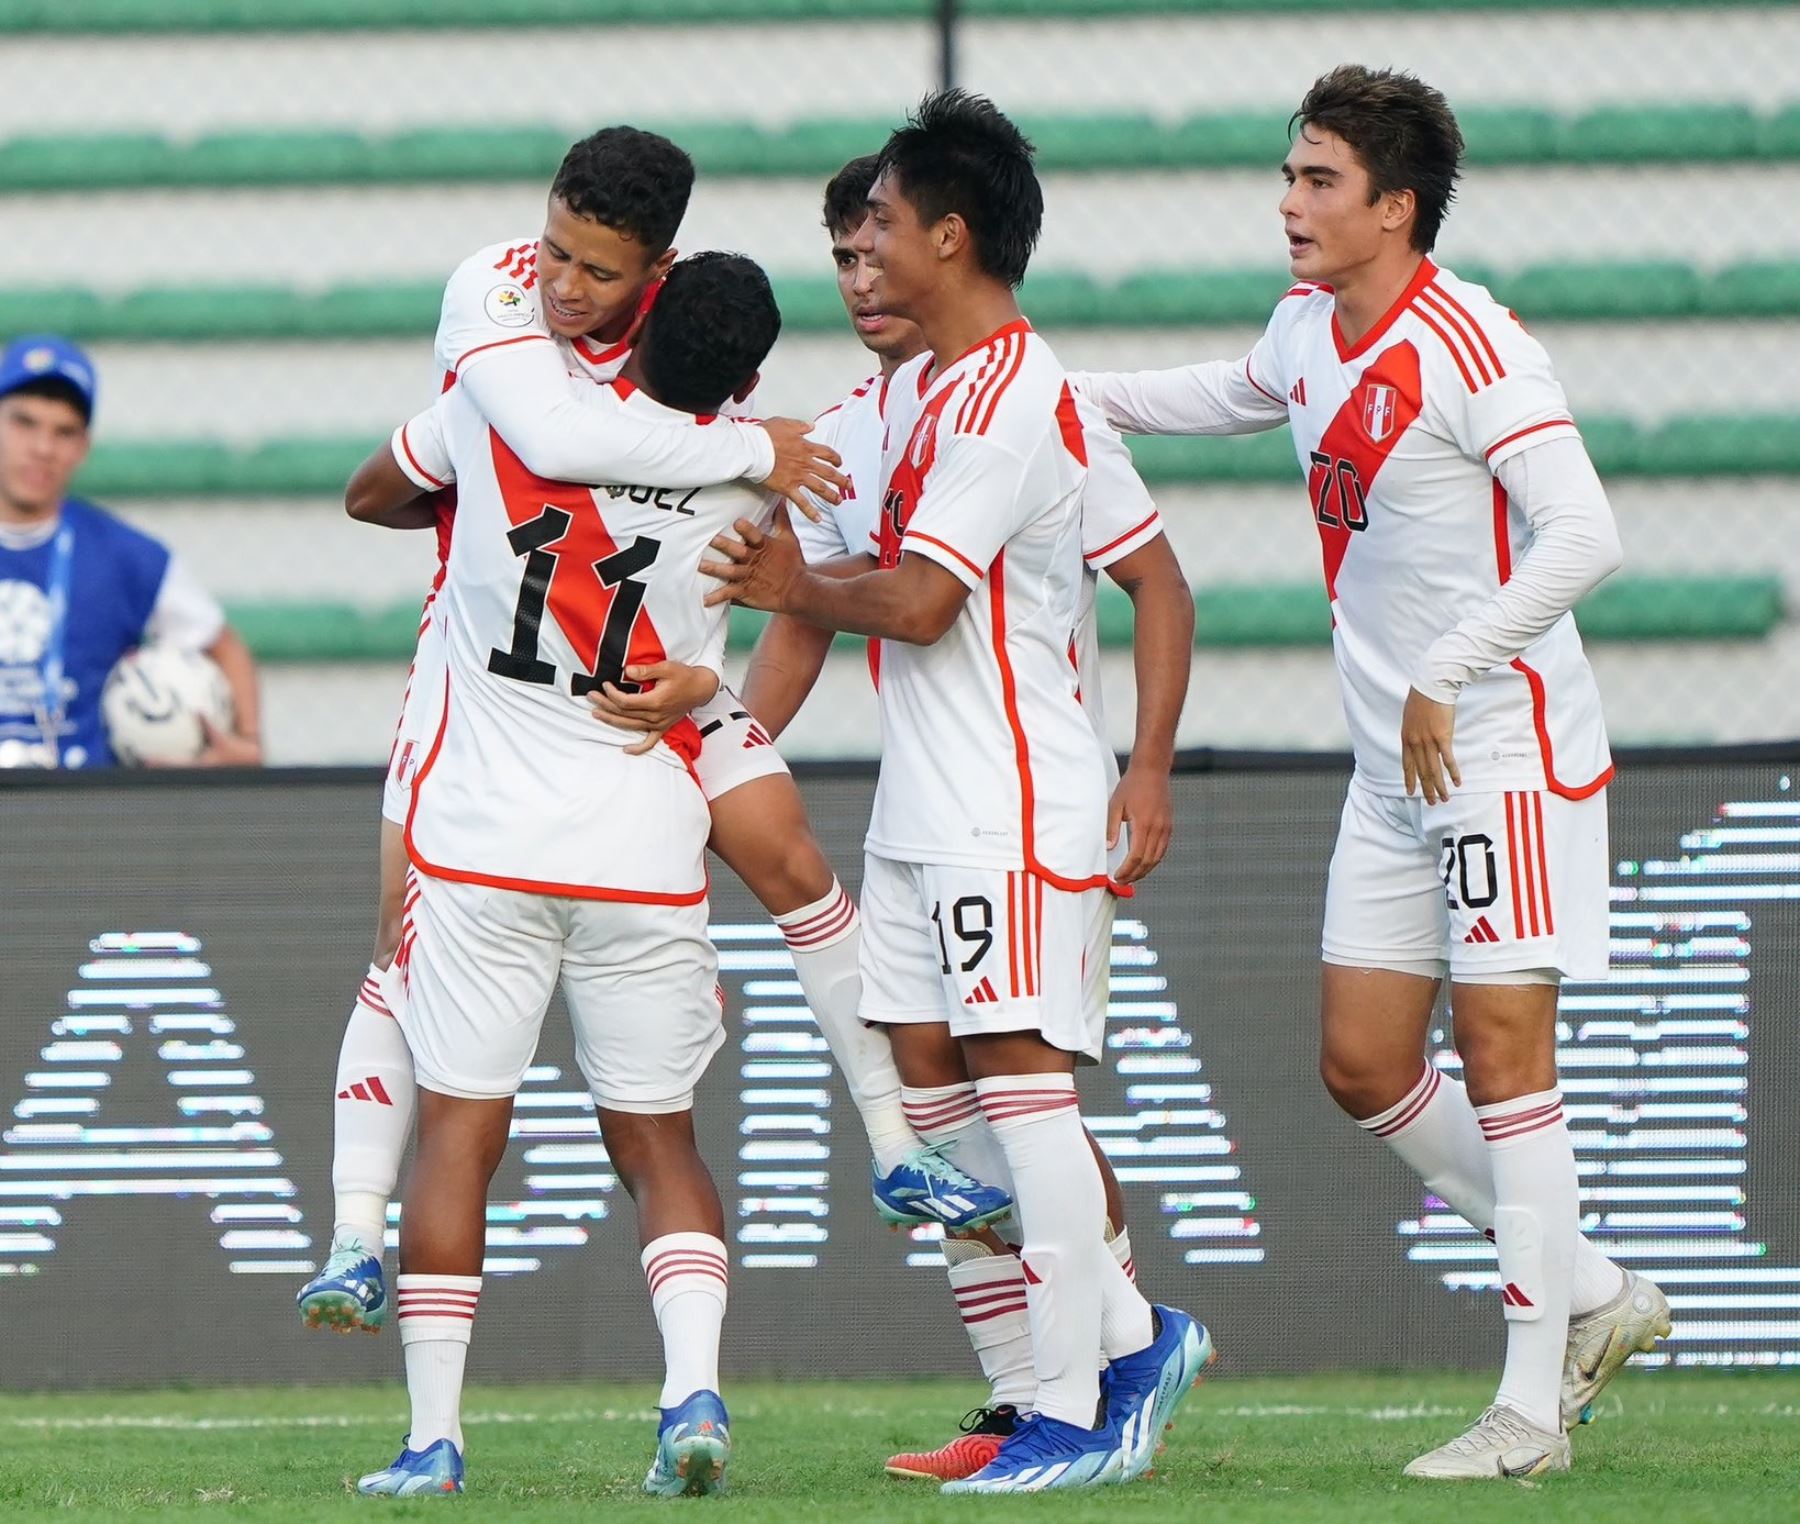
{"points": [[1431, 682], [1119, 548], [1515, 441], [947, 556], [408, 462], [762, 452]]}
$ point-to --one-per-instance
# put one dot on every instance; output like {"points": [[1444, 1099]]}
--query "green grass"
{"points": [[1687, 1447]]}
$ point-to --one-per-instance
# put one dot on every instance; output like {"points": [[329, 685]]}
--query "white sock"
{"points": [[990, 1298], [1062, 1206], [949, 1117], [1126, 1322], [437, 1315], [687, 1276], [825, 940], [372, 1116], [1535, 1227], [1433, 1128]]}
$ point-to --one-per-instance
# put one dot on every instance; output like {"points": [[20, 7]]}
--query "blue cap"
{"points": [[44, 356]]}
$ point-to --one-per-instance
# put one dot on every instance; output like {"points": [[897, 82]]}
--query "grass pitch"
{"points": [[1689, 1448]]}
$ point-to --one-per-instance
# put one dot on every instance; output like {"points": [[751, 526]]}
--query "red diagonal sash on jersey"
{"points": [[578, 599], [1383, 405]]}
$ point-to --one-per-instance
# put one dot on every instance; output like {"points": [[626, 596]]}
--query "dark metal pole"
{"points": [[947, 43]]}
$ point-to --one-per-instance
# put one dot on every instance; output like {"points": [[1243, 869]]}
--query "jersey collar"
{"points": [[1423, 277], [929, 375]]}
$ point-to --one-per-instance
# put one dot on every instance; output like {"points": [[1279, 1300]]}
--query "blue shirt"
{"points": [[115, 575]]}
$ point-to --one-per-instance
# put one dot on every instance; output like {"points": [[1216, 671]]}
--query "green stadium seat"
{"points": [[1759, 288], [1251, 616], [178, 16], [1509, 135], [1637, 292], [1724, 445], [809, 304], [1668, 133], [1067, 143]]}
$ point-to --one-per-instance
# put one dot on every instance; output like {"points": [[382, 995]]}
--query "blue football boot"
{"points": [[925, 1187], [1046, 1452], [349, 1292], [1142, 1391], [435, 1471], [693, 1443]]}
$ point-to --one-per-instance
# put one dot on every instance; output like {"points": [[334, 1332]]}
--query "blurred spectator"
{"points": [[78, 587]]}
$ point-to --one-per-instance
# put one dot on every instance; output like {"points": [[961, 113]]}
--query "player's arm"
{"points": [[1521, 428], [1214, 397], [789, 656], [1162, 647], [381, 492], [915, 602], [1574, 548]]}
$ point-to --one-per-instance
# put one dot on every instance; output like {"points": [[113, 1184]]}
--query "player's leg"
{"points": [[372, 1113], [760, 830], [476, 966], [372, 1118], [641, 982]]}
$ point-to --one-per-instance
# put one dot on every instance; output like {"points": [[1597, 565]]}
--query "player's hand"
{"points": [[226, 748], [1426, 729], [677, 692], [805, 470], [1141, 801], [759, 569]]}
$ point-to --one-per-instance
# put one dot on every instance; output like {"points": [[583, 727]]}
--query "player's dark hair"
{"points": [[847, 195], [633, 182], [1402, 131], [714, 323], [56, 390], [958, 154]]}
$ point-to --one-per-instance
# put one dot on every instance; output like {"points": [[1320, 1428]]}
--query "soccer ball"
{"points": [[154, 700]]}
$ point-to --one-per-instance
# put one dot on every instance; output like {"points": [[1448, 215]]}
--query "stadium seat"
{"points": [[1246, 616]]}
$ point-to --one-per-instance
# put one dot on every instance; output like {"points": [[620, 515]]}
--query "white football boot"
{"points": [[1502, 1444], [1601, 1341]]}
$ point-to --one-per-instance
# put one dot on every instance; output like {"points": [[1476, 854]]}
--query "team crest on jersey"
{"points": [[508, 306], [1379, 408], [922, 439]]}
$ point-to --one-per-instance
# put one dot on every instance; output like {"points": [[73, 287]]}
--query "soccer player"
{"points": [[549, 848], [524, 323], [1461, 520], [1122, 534], [986, 851]]}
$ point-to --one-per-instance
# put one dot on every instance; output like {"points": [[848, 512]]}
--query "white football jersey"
{"points": [[987, 757], [1117, 517], [553, 589], [853, 428], [1399, 436]]}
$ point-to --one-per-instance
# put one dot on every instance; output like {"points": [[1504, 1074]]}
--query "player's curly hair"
{"points": [[631, 181], [1402, 130], [847, 195], [958, 154], [714, 322]]}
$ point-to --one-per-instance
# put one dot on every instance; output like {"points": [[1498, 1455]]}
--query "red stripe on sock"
{"points": [[995, 1312], [1413, 1105]]}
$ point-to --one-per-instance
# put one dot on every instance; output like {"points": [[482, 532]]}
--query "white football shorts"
{"points": [[734, 749], [478, 966], [1486, 884], [986, 949], [421, 708]]}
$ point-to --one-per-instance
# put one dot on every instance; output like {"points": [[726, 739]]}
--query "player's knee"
{"points": [[1361, 1089], [797, 875]]}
